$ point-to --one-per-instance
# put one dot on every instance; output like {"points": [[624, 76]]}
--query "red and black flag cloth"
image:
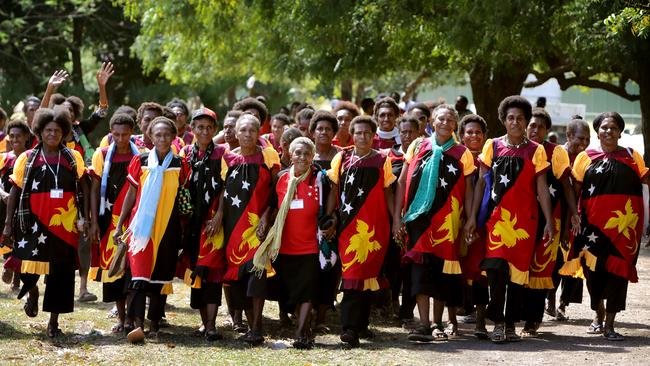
{"points": [[611, 210], [512, 224], [470, 256], [363, 216], [437, 231], [247, 193], [138, 140], [52, 235], [203, 257], [156, 263], [396, 157], [101, 254], [542, 265], [7, 161]]}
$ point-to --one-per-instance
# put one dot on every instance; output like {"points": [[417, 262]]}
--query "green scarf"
{"points": [[426, 192], [270, 248]]}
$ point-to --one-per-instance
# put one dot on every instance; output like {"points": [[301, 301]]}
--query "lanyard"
{"points": [[56, 175]]}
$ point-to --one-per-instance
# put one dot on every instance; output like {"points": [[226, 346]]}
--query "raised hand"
{"points": [[58, 78], [104, 73]]}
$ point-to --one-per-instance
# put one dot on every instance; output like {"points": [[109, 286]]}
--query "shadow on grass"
{"points": [[9, 331]]}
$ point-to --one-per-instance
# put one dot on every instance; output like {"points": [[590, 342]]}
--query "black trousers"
{"points": [[138, 303], [533, 305], [408, 300], [603, 285], [355, 310], [59, 289], [505, 297]]}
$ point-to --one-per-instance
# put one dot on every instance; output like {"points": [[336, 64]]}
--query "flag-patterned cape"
{"points": [[247, 192], [437, 231], [7, 161], [54, 219], [101, 254], [364, 229], [203, 257], [545, 257], [157, 262], [512, 224], [611, 209]]}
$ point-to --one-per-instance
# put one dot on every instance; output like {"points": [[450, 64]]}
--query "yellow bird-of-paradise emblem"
{"points": [[66, 217], [506, 230], [248, 239], [550, 252], [624, 222], [361, 244], [215, 242], [451, 224], [108, 253]]}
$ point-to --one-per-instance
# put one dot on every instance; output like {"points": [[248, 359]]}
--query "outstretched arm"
{"points": [[56, 80]]}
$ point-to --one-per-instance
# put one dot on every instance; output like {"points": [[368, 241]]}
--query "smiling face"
{"points": [[162, 136], [52, 134], [386, 117], [609, 133], [247, 133], [121, 135], [301, 158], [473, 137], [537, 130], [203, 129], [515, 123], [17, 139], [579, 140], [444, 124]]}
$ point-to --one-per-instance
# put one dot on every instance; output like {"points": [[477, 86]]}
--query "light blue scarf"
{"points": [[426, 192], [106, 170], [146, 213]]}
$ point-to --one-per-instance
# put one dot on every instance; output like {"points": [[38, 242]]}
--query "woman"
{"points": [[154, 232], [436, 185], [386, 112], [279, 123], [293, 238], [108, 190], [247, 172], [362, 177], [608, 181], [323, 127], [516, 168], [181, 112], [345, 112], [50, 212], [473, 132], [203, 239], [288, 136], [147, 112], [18, 135]]}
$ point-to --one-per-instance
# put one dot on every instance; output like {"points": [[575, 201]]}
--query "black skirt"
{"points": [[298, 277]]}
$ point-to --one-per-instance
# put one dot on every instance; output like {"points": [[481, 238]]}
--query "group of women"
{"points": [[341, 202]]}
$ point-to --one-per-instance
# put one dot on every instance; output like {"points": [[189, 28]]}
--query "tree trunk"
{"points": [[75, 51], [644, 99], [490, 86], [232, 96], [360, 92], [346, 89]]}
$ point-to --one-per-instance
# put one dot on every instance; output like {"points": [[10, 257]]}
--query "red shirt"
{"points": [[299, 235]]}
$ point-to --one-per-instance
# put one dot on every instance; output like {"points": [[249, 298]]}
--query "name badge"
{"points": [[56, 193], [297, 205]]}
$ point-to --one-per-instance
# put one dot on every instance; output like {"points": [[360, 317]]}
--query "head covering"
{"points": [[204, 112]]}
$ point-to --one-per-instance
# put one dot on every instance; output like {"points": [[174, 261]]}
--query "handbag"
{"points": [[118, 262], [184, 199]]}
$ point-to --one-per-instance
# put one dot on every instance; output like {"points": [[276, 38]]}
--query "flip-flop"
{"points": [[117, 328], [613, 336], [498, 334], [87, 297], [595, 329], [481, 333], [212, 336]]}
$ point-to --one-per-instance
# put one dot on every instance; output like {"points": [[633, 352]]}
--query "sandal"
{"points": [[54, 332], [481, 333], [561, 315], [213, 335], [452, 330], [439, 333], [303, 343], [529, 333], [613, 336], [511, 335], [87, 297], [350, 338], [31, 304], [498, 334], [254, 339], [421, 333], [117, 328], [199, 332], [595, 329]]}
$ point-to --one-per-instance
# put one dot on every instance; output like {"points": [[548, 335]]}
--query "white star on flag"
{"points": [[34, 228], [551, 190], [236, 201], [108, 205], [599, 169], [22, 243], [591, 189], [343, 197], [35, 185], [451, 169], [41, 239], [350, 179], [225, 194], [443, 184], [234, 174], [245, 185], [347, 209], [360, 192], [504, 179], [207, 197], [214, 183], [494, 195], [35, 252], [592, 237]]}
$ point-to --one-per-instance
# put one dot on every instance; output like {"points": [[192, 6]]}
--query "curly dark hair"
{"points": [[16, 123], [164, 120], [59, 115], [575, 124], [472, 118], [148, 106], [543, 115], [56, 99], [421, 106], [363, 120], [613, 115], [515, 101], [122, 119], [168, 113], [409, 119], [305, 114], [348, 106], [30, 99], [128, 110], [386, 102], [233, 114], [323, 115], [252, 103], [179, 103], [282, 117], [77, 107]]}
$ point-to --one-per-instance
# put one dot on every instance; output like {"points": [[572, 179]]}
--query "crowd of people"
{"points": [[297, 207]]}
